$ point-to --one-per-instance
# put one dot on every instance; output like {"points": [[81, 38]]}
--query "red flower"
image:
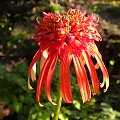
{"points": [[70, 38]]}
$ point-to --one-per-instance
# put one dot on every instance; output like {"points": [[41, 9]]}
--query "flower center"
{"points": [[73, 28]]}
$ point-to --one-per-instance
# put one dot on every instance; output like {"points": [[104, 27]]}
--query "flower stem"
{"points": [[58, 106]]}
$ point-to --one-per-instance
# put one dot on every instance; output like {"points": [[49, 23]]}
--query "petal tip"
{"points": [[53, 103], [71, 102], [29, 86], [94, 93], [83, 101], [105, 90], [41, 105], [101, 85]]}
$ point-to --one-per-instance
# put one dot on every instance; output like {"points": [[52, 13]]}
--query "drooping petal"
{"points": [[65, 80], [93, 50], [104, 71], [33, 73], [36, 56], [84, 76], [44, 56], [92, 71], [97, 66], [49, 76], [84, 87], [80, 83], [42, 77]]}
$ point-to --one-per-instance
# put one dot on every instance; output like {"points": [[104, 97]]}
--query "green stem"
{"points": [[58, 106]]}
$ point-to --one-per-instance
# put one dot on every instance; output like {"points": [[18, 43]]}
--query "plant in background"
{"points": [[67, 38]]}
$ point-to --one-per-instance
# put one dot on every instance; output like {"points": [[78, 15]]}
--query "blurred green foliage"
{"points": [[56, 8], [18, 47]]}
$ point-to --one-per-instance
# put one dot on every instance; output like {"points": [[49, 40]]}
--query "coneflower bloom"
{"points": [[68, 38]]}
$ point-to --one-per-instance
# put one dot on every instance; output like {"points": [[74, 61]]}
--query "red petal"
{"points": [[49, 76], [42, 77], [94, 51], [84, 76], [65, 80], [36, 56], [33, 73], [104, 71], [43, 58], [92, 71], [84, 88]]}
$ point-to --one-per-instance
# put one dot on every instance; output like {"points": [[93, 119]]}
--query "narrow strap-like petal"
{"points": [[43, 58], [36, 56], [93, 50], [104, 71], [92, 71], [65, 80], [81, 80], [42, 77], [49, 76], [84, 76], [33, 73]]}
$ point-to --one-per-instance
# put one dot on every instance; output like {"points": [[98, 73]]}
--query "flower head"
{"points": [[70, 38]]}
